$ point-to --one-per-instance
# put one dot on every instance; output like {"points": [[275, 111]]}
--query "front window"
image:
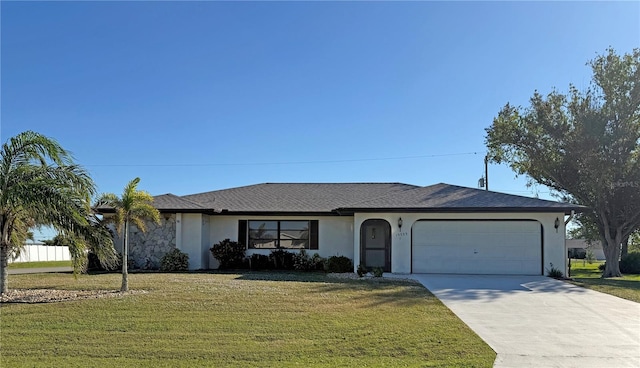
{"points": [[279, 234]]}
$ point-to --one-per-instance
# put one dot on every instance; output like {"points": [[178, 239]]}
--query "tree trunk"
{"points": [[611, 247], [125, 258], [625, 247], [4, 269]]}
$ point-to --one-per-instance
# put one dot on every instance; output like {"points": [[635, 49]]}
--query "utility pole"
{"points": [[486, 172]]}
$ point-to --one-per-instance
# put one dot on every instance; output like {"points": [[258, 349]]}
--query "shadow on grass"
{"points": [[616, 283]]}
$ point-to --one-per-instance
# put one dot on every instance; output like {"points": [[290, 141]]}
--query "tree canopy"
{"points": [[41, 185], [584, 145], [134, 206]]}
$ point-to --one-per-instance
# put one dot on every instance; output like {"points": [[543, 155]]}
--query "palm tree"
{"points": [[133, 207], [41, 185]]}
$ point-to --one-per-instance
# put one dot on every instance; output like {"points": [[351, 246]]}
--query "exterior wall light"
{"points": [[556, 224], [400, 222]]}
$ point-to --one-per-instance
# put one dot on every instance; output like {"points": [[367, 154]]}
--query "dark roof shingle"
{"points": [[446, 197], [294, 197], [347, 198]]}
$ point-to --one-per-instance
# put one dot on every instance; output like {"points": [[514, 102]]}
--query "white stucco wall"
{"points": [[335, 234], [191, 230], [554, 250]]}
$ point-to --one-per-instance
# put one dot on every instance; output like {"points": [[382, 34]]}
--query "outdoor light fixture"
{"points": [[556, 224], [400, 222]]}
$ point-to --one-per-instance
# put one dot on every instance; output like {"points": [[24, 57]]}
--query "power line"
{"points": [[285, 162]]}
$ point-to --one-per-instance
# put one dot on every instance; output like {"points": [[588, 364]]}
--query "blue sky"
{"points": [[199, 96]]}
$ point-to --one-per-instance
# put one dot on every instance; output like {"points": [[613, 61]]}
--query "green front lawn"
{"points": [[43, 264], [587, 275], [245, 320]]}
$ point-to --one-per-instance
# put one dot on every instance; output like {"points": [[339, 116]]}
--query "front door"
{"points": [[375, 244]]}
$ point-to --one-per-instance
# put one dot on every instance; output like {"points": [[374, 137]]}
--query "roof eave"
{"points": [[565, 210]]}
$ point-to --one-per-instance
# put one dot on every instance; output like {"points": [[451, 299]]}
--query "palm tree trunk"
{"points": [[4, 271], [125, 257]]}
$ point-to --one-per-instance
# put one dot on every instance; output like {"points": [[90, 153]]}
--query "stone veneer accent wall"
{"points": [[147, 249]]}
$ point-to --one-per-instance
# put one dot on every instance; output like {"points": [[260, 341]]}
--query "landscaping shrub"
{"points": [[630, 263], [230, 254], [602, 266], [260, 262], [93, 264], [554, 272], [302, 261], [377, 272], [362, 270], [282, 260], [339, 264], [174, 260]]}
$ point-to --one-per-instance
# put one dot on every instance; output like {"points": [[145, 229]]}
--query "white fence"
{"points": [[39, 253]]}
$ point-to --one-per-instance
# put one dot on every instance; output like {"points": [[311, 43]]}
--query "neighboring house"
{"points": [[578, 247], [400, 227]]}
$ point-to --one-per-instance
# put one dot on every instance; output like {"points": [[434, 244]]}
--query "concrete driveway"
{"points": [[535, 321]]}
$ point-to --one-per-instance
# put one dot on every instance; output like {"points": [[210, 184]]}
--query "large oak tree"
{"points": [[585, 145]]}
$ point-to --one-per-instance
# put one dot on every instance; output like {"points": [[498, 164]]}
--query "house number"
{"points": [[400, 234]]}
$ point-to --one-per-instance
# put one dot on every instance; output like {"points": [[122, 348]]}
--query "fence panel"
{"points": [[41, 253]]}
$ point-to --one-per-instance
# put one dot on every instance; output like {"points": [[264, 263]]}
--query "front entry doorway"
{"points": [[375, 244]]}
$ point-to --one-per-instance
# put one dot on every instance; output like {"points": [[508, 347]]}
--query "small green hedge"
{"points": [[230, 254], [339, 264], [630, 263], [174, 260]]}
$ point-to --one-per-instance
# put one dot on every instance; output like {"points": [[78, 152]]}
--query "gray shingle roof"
{"points": [[347, 198], [294, 197], [445, 197], [173, 202]]}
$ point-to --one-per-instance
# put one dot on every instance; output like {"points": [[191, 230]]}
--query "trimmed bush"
{"points": [[630, 263], [282, 260], [377, 272], [174, 260], [260, 262], [230, 254], [339, 264], [362, 270], [302, 261]]}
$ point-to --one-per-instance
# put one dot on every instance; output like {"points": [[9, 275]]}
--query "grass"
{"points": [[588, 276], [248, 320], [40, 264]]}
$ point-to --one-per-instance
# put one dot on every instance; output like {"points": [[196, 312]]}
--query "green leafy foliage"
{"points": [[583, 145], [282, 260], [41, 185], [174, 260], [630, 263], [362, 270], [377, 272], [133, 207], [339, 264], [554, 272], [303, 262], [259, 262], [230, 254]]}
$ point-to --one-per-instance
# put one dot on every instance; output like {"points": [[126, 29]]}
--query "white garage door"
{"points": [[477, 247]]}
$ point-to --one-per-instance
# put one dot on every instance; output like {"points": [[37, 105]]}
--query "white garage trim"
{"points": [[477, 246]]}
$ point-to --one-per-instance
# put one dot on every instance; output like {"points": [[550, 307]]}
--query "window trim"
{"points": [[244, 230]]}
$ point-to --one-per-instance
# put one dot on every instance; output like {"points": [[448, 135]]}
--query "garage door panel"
{"points": [[477, 247]]}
